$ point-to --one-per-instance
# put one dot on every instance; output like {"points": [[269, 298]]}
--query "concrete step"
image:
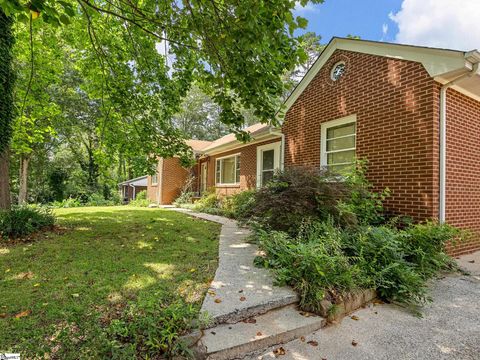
{"points": [[234, 341]]}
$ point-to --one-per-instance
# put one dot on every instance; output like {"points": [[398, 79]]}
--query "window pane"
{"points": [[266, 177], [268, 157], [341, 157], [237, 174], [341, 169], [341, 130], [342, 143], [228, 170]]}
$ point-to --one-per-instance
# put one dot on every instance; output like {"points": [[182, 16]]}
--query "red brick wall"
{"points": [[463, 167], [152, 189], [394, 103], [174, 177], [248, 168]]}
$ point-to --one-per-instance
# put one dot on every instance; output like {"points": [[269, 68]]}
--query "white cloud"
{"points": [[303, 10], [439, 23], [384, 29]]}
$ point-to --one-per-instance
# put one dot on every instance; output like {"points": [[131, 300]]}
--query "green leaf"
{"points": [[23, 18], [302, 22], [65, 19]]}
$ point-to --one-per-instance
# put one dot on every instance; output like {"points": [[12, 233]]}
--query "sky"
{"points": [[452, 24]]}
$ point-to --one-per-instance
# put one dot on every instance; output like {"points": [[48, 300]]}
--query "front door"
{"points": [[268, 161], [203, 178]]}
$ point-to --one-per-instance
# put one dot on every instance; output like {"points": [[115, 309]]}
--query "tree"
{"points": [[311, 45], [33, 125], [6, 105], [236, 50]]}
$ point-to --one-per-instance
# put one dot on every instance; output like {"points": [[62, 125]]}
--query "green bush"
{"points": [[236, 206], [297, 194], [208, 202], [67, 203], [325, 261], [23, 220], [140, 200], [313, 263]]}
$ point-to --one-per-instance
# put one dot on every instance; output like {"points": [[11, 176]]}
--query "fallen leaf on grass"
{"points": [[8, 270], [354, 317], [75, 295], [278, 352], [312, 342], [36, 285], [243, 298], [3, 316], [354, 343], [23, 313], [217, 301]]}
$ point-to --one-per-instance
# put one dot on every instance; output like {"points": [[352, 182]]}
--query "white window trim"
{"points": [[226, 157], [323, 139], [276, 146]]}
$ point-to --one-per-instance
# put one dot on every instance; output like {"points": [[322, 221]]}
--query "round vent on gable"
{"points": [[337, 70]]}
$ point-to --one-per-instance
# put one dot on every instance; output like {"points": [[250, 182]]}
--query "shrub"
{"points": [[208, 202], [186, 194], [140, 200], [23, 220], [67, 203], [297, 194], [327, 261], [238, 205], [313, 263]]}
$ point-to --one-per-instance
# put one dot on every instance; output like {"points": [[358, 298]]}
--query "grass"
{"points": [[60, 294]]}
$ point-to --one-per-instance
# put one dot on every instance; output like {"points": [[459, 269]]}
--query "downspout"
{"points": [[443, 139]]}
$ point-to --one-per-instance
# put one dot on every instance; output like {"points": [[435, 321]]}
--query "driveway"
{"points": [[449, 328]]}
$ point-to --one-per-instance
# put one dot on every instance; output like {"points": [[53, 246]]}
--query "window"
{"points": [[339, 143], [337, 71], [228, 170], [154, 179], [268, 160]]}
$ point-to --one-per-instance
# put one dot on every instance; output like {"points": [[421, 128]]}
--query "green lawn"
{"points": [[117, 283]]}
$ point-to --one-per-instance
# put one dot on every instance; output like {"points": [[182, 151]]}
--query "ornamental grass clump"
{"points": [[21, 221]]}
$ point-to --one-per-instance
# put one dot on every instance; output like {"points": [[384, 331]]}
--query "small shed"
{"points": [[130, 188]]}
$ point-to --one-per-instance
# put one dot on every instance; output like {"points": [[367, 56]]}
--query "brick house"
{"points": [[413, 112]]}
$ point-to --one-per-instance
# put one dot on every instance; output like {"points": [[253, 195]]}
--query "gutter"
{"points": [[443, 130]]}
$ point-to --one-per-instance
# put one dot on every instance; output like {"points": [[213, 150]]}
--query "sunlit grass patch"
{"points": [[114, 271]]}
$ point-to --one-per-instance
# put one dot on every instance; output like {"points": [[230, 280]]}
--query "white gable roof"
{"points": [[441, 64]]}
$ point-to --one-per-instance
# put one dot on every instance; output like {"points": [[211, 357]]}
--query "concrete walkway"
{"points": [[239, 289], [449, 328]]}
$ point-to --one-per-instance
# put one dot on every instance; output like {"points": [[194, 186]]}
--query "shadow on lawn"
{"points": [[107, 260]]}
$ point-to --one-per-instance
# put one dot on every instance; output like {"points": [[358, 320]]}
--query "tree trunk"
{"points": [[7, 80], [23, 179], [5, 201]]}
